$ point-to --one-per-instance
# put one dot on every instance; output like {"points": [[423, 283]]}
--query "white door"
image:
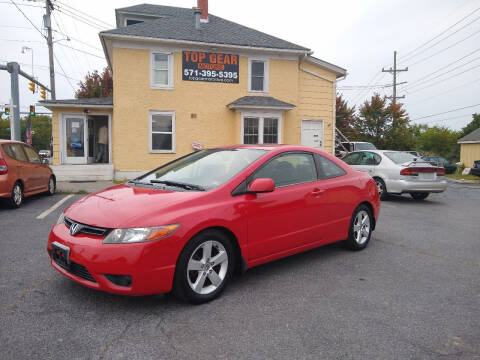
{"points": [[75, 145], [312, 133]]}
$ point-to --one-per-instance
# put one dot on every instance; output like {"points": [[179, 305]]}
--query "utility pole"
{"points": [[394, 73], [48, 25]]}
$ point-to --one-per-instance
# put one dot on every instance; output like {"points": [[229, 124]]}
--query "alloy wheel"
{"points": [[379, 187], [17, 195], [51, 186], [361, 227], [207, 267]]}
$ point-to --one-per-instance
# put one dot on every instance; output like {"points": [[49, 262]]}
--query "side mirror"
{"points": [[261, 185], [45, 161]]}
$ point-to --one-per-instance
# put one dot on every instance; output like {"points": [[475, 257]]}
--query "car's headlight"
{"points": [[135, 235], [61, 219]]}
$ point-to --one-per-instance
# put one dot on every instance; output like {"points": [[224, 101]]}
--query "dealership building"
{"points": [[183, 80]]}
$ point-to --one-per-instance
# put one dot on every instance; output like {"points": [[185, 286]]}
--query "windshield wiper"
{"points": [[134, 182], [178, 184]]}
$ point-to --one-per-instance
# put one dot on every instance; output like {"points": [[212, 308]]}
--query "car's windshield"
{"points": [[203, 170], [365, 146], [400, 157]]}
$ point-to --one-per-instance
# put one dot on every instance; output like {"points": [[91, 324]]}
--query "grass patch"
{"points": [[460, 176]]}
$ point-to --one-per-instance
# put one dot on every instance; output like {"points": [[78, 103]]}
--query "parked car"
{"points": [[190, 224], [23, 173], [397, 172], [44, 153], [475, 170], [450, 167], [358, 145]]}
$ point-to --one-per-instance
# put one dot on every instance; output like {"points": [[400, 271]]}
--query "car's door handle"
{"points": [[317, 192]]}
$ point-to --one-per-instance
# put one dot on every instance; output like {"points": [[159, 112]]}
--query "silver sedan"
{"points": [[398, 172]]}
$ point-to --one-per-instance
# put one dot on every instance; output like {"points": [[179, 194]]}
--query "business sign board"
{"points": [[210, 67]]}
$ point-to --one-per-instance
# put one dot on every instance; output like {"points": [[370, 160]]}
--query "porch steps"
{"points": [[91, 172]]}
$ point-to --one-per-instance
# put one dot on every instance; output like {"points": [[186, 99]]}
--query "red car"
{"points": [[189, 225], [23, 173]]}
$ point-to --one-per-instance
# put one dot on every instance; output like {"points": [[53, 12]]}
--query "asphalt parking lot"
{"points": [[414, 293]]}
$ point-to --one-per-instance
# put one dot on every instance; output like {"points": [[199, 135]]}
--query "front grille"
{"points": [[76, 269], [87, 229]]}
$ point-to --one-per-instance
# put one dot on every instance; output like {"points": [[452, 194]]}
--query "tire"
{"points": [[419, 195], [16, 199], [360, 229], [382, 189], [196, 279], [52, 186]]}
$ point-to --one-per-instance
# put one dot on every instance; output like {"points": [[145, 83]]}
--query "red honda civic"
{"points": [[190, 224]]}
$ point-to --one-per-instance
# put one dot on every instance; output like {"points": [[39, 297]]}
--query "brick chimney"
{"points": [[203, 5]]}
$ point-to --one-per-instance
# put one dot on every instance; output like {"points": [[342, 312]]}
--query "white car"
{"points": [[398, 172], [45, 153]]}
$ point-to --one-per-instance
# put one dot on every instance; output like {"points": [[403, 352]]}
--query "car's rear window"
{"points": [[14, 151], [400, 157]]}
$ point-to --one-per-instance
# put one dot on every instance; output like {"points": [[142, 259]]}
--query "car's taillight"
{"points": [[414, 171], [440, 171], [409, 172], [3, 167]]}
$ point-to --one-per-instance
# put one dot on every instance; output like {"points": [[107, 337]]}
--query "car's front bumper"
{"points": [[400, 186], [150, 265]]}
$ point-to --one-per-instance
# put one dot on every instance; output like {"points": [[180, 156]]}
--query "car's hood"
{"points": [[124, 206]]}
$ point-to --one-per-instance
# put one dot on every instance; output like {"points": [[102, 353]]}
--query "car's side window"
{"points": [[352, 159], [32, 155], [377, 158], [289, 169], [17, 152], [328, 169], [367, 159]]}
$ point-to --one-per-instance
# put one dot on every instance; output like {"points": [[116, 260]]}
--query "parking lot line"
{"points": [[54, 207]]}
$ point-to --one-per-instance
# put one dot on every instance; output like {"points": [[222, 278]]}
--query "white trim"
{"points": [[63, 140], [49, 105], [469, 142], [261, 115], [158, 112], [199, 43], [326, 65], [266, 75], [323, 132], [171, 68]]}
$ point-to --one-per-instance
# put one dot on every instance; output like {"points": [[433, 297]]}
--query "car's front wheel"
{"points": [[16, 199], [361, 227], [419, 195], [204, 267]]}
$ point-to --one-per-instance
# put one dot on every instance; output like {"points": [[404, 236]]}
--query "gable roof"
{"points": [[474, 137], [175, 23], [260, 102], [101, 102]]}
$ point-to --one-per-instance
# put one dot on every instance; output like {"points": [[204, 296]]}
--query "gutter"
{"points": [[83, 106]]}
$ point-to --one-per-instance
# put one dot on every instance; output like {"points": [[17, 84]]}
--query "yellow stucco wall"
{"points": [[56, 115], [469, 153]]}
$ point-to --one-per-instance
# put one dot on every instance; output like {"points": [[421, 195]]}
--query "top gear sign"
{"points": [[210, 67]]}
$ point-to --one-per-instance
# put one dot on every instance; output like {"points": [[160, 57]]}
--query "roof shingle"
{"points": [[473, 136], [260, 101]]}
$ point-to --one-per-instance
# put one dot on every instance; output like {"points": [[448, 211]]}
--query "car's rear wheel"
{"points": [[361, 227], [204, 267], [382, 189], [419, 195], [16, 199], [52, 186]]}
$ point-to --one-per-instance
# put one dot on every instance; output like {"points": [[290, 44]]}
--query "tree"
{"points": [[439, 140], [384, 125], [471, 126], [96, 85], [345, 119], [40, 124]]}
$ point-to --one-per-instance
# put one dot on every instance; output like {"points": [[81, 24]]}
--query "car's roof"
{"points": [[3, 141]]}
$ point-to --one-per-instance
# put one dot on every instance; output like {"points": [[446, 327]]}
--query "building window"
{"points": [[162, 70], [261, 130], [258, 75], [162, 132], [132, 22]]}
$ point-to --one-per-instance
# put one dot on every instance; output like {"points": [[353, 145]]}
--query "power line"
{"points": [[26, 17], [25, 41], [82, 51], [445, 112], [446, 92], [444, 49], [61, 67], [80, 18], [452, 118], [408, 56], [100, 21]]}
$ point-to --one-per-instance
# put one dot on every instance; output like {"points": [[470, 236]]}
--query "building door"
{"points": [[75, 149], [312, 133]]}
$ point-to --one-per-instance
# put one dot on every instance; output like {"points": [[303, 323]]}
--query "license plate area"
{"points": [[427, 176], [61, 254]]}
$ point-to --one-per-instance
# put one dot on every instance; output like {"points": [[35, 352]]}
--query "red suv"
{"points": [[23, 173]]}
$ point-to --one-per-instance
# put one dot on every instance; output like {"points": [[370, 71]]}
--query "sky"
{"points": [[438, 40]]}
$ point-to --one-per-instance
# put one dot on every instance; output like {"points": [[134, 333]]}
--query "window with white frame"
{"points": [[162, 131], [162, 70], [258, 75], [261, 130]]}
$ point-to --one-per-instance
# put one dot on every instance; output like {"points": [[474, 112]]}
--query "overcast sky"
{"points": [[357, 35]]}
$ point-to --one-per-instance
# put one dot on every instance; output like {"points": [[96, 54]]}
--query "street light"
{"points": [[24, 50]]}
